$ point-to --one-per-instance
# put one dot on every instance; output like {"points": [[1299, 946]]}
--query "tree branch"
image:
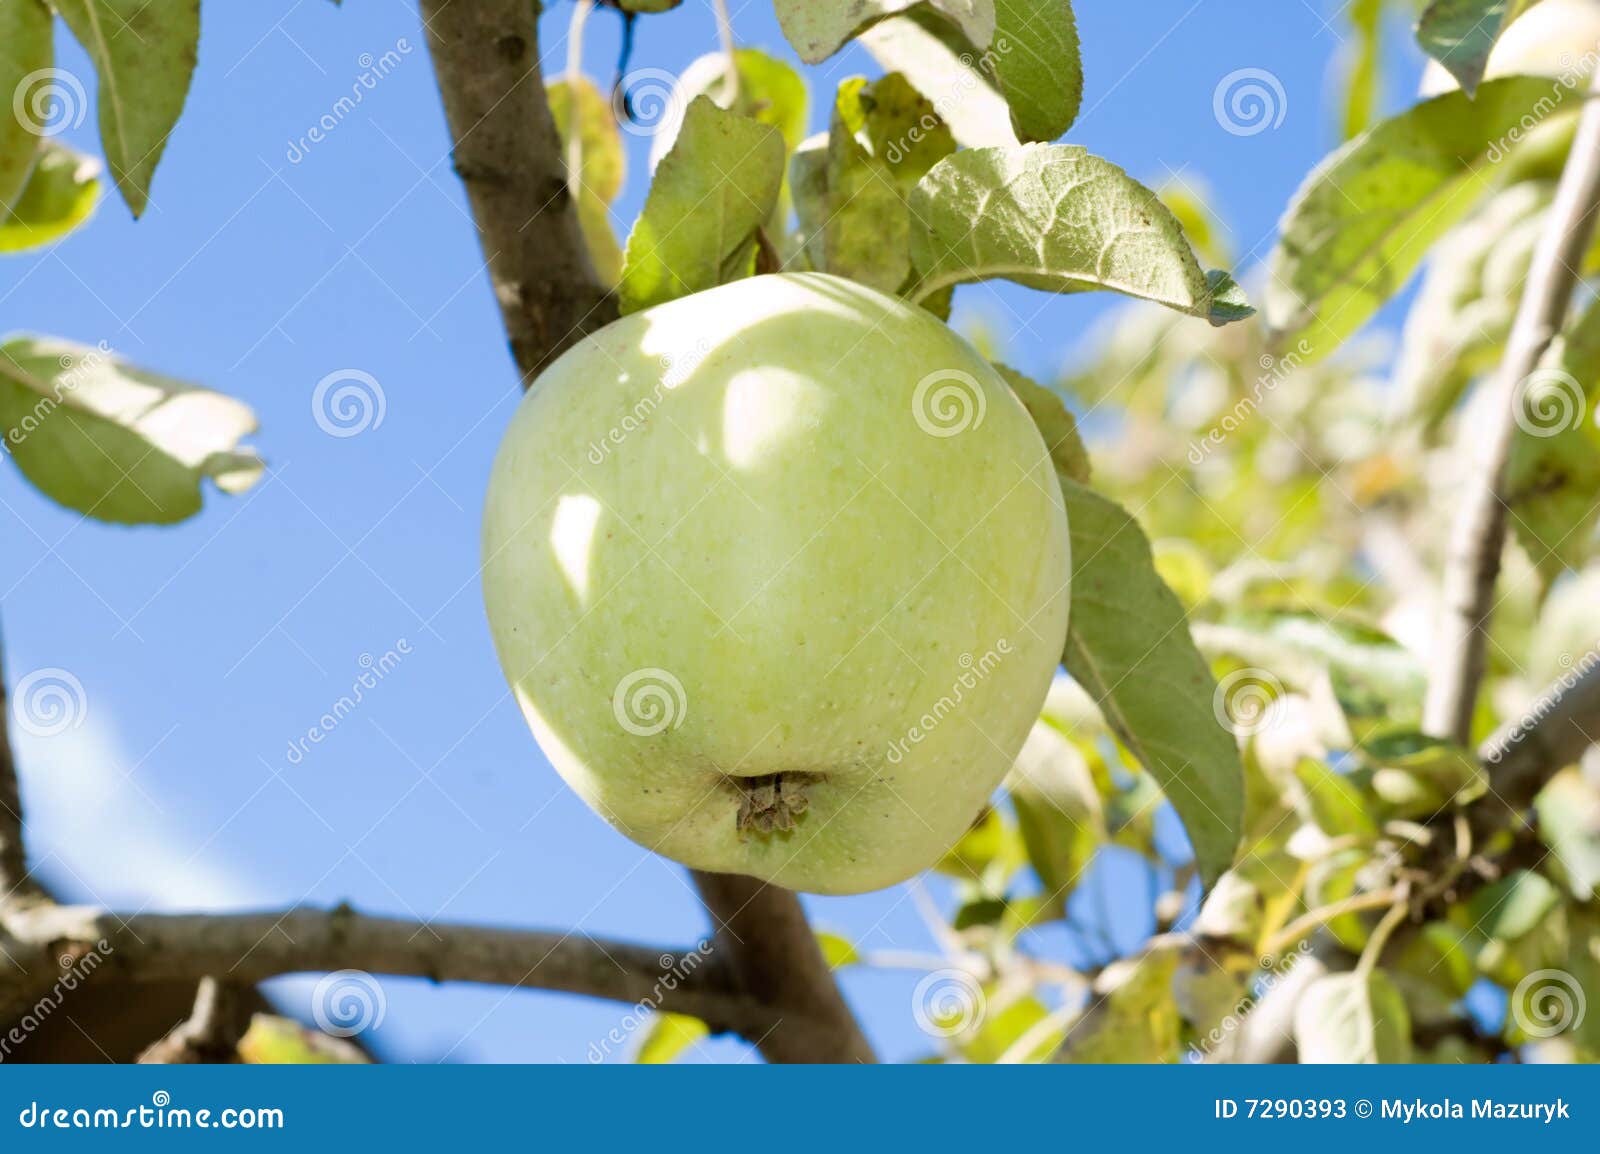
{"points": [[1480, 532], [1562, 723], [15, 881], [508, 154], [48, 941]]}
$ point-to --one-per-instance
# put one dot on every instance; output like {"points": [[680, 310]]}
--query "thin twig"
{"points": [[1480, 531]]}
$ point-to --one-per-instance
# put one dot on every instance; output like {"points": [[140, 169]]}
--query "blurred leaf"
{"points": [[1010, 1012], [667, 1037], [1366, 216], [1129, 647], [1184, 568], [1352, 1018], [1460, 34], [1055, 218], [885, 137], [1336, 804], [837, 949], [26, 50], [1512, 907], [1333, 879], [710, 194], [819, 28], [273, 1041], [1056, 425], [808, 184], [114, 442], [1421, 775], [1569, 823], [938, 61], [1059, 814], [1363, 69], [144, 55], [602, 168], [1136, 1019], [987, 854], [61, 193]]}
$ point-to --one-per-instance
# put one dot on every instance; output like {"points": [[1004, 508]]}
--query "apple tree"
{"points": [[1299, 633]]}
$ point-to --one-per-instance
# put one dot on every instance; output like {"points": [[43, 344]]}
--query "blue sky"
{"points": [[207, 649]]}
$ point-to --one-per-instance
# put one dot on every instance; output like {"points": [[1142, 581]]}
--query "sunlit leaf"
{"points": [[602, 167], [61, 193], [819, 28], [26, 52], [667, 1037], [939, 62], [1460, 34], [1352, 1018]]}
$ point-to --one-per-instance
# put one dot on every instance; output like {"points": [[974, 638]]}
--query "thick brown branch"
{"points": [[509, 157], [1480, 532], [48, 941], [1562, 723], [486, 57]]}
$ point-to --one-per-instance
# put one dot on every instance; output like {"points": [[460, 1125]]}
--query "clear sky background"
{"points": [[205, 650]]}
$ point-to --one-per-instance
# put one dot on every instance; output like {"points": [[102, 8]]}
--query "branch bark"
{"points": [[1473, 564], [1563, 722], [15, 881], [48, 941], [508, 155]]}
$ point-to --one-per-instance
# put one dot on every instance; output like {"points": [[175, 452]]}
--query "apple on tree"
{"points": [[779, 574]]}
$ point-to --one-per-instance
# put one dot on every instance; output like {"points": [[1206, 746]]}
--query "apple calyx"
{"points": [[772, 802]]}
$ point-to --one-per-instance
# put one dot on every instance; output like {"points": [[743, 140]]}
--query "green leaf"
{"points": [[1053, 217], [648, 7], [1421, 775], [710, 195], [1569, 823], [938, 61], [1513, 907], [667, 1037], [1460, 34], [61, 194], [1336, 804], [884, 138], [1059, 813], [114, 442], [1128, 645], [987, 854], [1035, 61], [808, 184], [837, 949], [1057, 426], [819, 28], [769, 90], [1136, 1019], [273, 1041], [1363, 70], [144, 55], [26, 53], [1352, 1018], [602, 167], [1365, 217], [1553, 476]]}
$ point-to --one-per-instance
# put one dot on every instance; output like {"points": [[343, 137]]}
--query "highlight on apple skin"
{"points": [[779, 575]]}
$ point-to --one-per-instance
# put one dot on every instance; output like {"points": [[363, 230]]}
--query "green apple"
{"points": [[778, 574], [1558, 38]]}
